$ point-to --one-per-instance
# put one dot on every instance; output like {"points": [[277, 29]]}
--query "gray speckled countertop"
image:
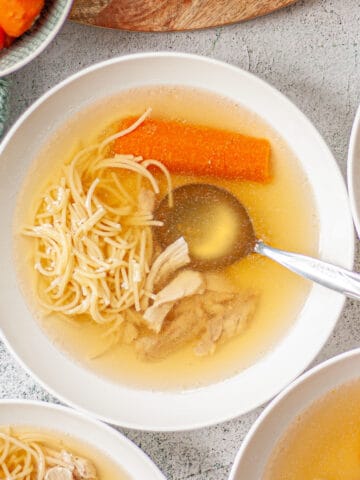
{"points": [[310, 52]]}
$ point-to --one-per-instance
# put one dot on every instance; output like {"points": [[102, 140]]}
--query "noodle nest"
{"points": [[94, 243]]}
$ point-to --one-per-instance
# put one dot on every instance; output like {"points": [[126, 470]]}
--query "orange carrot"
{"points": [[17, 16], [197, 150]]}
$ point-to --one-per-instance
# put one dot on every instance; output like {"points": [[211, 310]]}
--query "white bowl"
{"points": [[258, 445], [156, 410], [353, 171], [101, 437]]}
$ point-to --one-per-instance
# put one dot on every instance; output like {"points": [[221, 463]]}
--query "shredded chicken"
{"points": [[171, 259], [225, 324], [202, 308], [210, 318], [74, 468], [84, 469], [185, 284], [178, 329]]}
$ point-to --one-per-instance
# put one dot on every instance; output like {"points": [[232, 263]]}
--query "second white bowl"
{"points": [[353, 171], [64, 421], [258, 445]]}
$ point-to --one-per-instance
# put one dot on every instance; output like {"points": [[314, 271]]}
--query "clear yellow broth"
{"points": [[283, 213], [324, 442]]}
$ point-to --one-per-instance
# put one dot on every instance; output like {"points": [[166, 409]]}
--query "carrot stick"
{"points": [[197, 150], [17, 16]]}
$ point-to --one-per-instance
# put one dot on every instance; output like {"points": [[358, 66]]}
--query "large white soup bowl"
{"points": [[161, 410]]}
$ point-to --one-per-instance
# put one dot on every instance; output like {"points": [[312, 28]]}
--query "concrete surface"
{"points": [[310, 53]]}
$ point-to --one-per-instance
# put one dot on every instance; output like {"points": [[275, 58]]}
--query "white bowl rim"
{"points": [[110, 431], [282, 397], [354, 141], [49, 38], [348, 254]]}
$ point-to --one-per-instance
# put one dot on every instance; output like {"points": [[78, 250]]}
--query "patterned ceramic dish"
{"points": [[4, 103], [33, 42]]}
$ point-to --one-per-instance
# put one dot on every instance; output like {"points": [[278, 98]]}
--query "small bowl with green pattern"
{"points": [[35, 40]]}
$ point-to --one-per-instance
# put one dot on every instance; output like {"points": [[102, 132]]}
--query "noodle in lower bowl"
{"points": [[28, 453]]}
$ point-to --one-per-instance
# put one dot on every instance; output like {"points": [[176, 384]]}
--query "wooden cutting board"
{"points": [[165, 15]]}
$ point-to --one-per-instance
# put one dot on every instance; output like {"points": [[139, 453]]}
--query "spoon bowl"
{"points": [[219, 232], [216, 226]]}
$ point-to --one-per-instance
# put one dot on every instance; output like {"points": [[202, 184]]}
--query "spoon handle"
{"points": [[326, 274]]}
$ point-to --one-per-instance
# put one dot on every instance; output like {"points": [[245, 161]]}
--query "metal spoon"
{"points": [[219, 231]]}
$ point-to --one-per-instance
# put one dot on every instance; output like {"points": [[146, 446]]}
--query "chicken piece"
{"points": [[215, 282], [84, 469], [214, 302], [146, 201], [230, 322], [154, 316], [171, 259], [59, 473], [180, 327], [81, 468], [236, 319], [209, 317], [185, 284]]}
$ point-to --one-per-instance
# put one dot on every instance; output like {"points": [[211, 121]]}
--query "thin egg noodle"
{"points": [[94, 244]]}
